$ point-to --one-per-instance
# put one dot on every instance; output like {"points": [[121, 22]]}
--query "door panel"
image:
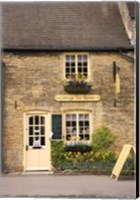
{"points": [[57, 126], [37, 142]]}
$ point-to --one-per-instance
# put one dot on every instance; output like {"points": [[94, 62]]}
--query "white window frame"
{"points": [[77, 114], [76, 67]]}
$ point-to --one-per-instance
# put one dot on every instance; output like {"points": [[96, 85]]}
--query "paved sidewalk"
{"points": [[67, 185]]}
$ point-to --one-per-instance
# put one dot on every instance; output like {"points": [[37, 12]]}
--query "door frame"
{"points": [[25, 114]]}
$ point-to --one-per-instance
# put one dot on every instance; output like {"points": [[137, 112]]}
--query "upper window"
{"points": [[76, 64], [77, 126]]}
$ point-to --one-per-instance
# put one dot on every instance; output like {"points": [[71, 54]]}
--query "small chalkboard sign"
{"points": [[122, 159]]}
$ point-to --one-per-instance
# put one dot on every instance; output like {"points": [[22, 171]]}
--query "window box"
{"points": [[78, 147], [77, 86]]}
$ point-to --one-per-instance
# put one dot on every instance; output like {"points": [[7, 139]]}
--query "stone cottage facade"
{"points": [[45, 44]]}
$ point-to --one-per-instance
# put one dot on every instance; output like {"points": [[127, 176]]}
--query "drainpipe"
{"points": [[116, 78]]}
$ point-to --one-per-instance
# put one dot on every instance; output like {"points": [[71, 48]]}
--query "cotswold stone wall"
{"points": [[121, 118], [31, 81]]}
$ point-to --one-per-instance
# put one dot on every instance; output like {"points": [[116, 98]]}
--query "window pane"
{"points": [[67, 123], [87, 130], [81, 123], [81, 136], [85, 69], [42, 130], [73, 58], [79, 70], [69, 129], [74, 132], [30, 141], [86, 117], [68, 137], [31, 130], [79, 58], [67, 70], [42, 120], [85, 64], [74, 117], [30, 120], [36, 127], [73, 123], [87, 137], [67, 117], [36, 119], [79, 64], [37, 139], [73, 64], [67, 75], [67, 64], [73, 70], [86, 123], [85, 57], [42, 140], [67, 57], [81, 117]]}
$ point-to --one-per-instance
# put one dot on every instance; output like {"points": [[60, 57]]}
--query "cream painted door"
{"points": [[37, 149]]}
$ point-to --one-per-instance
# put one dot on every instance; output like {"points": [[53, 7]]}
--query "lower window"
{"points": [[77, 126]]}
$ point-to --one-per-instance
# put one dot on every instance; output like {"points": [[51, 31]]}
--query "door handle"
{"points": [[26, 147]]}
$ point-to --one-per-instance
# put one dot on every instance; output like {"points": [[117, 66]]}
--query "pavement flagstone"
{"points": [[49, 185]]}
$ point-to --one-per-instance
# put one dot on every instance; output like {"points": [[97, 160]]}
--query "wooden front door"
{"points": [[37, 154]]}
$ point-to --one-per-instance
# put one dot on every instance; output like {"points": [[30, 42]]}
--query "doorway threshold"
{"points": [[37, 172], [26, 173]]}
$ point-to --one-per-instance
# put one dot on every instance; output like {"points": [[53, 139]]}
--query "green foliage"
{"points": [[104, 156], [77, 79], [99, 157], [78, 157], [87, 157], [78, 148], [102, 139], [130, 164], [57, 153]]}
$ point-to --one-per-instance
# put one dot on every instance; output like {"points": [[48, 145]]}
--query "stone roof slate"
{"points": [[63, 26]]}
